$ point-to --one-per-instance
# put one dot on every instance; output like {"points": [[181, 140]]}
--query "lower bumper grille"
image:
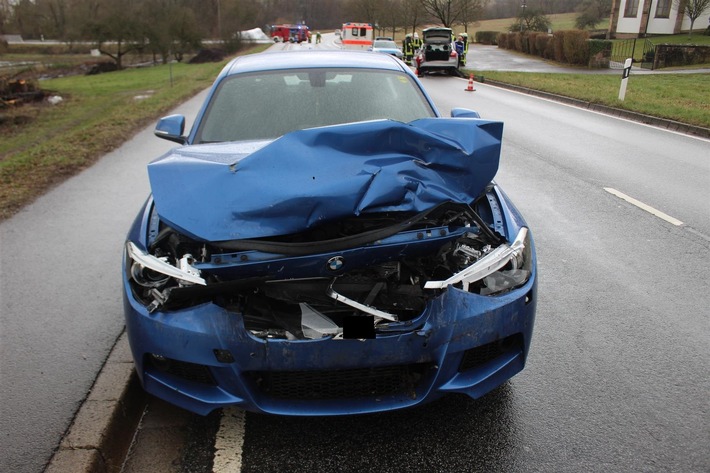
{"points": [[340, 384], [181, 369], [476, 357]]}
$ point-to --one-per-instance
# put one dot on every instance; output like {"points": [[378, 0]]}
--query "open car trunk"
{"points": [[437, 45]]}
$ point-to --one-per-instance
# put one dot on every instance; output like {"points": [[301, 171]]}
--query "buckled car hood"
{"points": [[228, 191]]}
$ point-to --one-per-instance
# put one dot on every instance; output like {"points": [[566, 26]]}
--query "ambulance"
{"points": [[356, 36]]}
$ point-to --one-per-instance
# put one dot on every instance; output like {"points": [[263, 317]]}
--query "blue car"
{"points": [[387, 46], [323, 242]]}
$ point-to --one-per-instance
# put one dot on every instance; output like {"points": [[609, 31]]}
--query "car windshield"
{"points": [[266, 105], [385, 44]]}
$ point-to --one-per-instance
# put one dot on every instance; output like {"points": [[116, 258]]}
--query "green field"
{"points": [[560, 21]]}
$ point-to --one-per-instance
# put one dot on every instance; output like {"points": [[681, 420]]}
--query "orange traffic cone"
{"points": [[470, 84]]}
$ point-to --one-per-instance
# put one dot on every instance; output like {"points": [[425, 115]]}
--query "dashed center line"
{"points": [[642, 206], [229, 441]]}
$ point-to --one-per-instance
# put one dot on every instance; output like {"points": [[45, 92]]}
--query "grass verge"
{"points": [[680, 97], [96, 115]]}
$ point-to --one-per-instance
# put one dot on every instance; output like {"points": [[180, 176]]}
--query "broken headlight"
{"points": [[156, 276], [500, 270]]}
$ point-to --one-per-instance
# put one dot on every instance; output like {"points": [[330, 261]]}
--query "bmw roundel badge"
{"points": [[335, 263]]}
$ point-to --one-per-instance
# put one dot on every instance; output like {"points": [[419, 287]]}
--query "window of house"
{"points": [[663, 9], [632, 7]]}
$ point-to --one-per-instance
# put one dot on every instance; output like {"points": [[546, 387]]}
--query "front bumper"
{"points": [[206, 359], [438, 65]]}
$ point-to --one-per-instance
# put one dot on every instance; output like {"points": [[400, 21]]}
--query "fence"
{"points": [[641, 50]]}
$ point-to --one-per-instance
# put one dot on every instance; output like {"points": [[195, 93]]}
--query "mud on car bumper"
{"points": [[203, 358]]}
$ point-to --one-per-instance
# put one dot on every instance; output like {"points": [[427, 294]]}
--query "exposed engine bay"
{"points": [[348, 279]]}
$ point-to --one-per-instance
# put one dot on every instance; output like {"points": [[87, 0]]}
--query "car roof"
{"points": [[311, 59]]}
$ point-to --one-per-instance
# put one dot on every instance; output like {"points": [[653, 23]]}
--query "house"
{"points": [[638, 18]]}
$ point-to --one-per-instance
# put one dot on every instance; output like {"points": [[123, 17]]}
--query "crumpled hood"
{"points": [[226, 191]]}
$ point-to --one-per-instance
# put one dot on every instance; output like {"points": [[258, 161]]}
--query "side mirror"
{"points": [[464, 113], [171, 128]]}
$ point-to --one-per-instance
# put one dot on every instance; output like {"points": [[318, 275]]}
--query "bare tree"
{"points": [[471, 11], [237, 16], [390, 16], [5, 13], [173, 29], [365, 11], [412, 15], [591, 12], [531, 20], [448, 12], [693, 9], [116, 29]]}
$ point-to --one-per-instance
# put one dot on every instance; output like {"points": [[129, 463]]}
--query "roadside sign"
{"points": [[625, 78]]}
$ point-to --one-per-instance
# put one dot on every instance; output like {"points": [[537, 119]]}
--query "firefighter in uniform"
{"points": [[416, 43], [407, 48], [465, 48]]}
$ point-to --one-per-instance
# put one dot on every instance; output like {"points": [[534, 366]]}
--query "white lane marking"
{"points": [[229, 441], [645, 207]]}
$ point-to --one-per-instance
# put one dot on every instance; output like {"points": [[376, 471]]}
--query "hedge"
{"points": [[567, 46], [486, 37]]}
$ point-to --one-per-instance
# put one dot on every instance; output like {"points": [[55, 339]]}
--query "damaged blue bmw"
{"points": [[324, 242]]}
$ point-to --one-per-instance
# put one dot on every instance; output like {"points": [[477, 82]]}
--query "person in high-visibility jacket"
{"points": [[416, 43], [465, 48], [407, 48], [458, 44]]}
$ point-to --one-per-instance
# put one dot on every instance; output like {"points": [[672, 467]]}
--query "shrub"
{"points": [[532, 43], [576, 47], [486, 37], [599, 53], [544, 44], [557, 46]]}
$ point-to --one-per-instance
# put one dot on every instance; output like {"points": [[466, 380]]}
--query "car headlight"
{"points": [[153, 278], [501, 269], [146, 267]]}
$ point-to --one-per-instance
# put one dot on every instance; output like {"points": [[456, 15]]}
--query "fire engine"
{"points": [[356, 35], [291, 33]]}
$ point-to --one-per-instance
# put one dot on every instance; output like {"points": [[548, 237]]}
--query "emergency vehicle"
{"points": [[290, 33], [356, 35]]}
